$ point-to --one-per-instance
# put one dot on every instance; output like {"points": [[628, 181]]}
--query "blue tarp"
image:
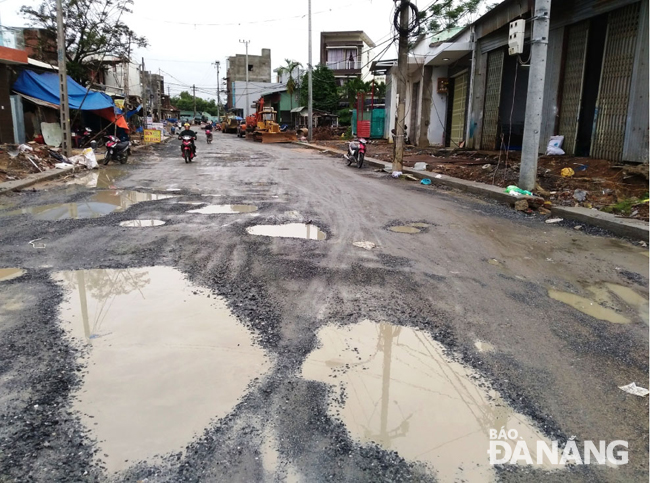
{"points": [[46, 88], [130, 113]]}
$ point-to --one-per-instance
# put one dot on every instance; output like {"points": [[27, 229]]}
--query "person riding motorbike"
{"points": [[188, 132]]}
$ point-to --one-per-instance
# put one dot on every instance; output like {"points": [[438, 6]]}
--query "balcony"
{"points": [[344, 65]]}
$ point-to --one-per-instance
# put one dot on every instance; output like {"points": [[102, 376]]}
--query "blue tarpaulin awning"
{"points": [[46, 88]]}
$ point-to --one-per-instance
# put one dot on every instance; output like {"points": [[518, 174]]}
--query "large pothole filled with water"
{"points": [[224, 209], [100, 204], [7, 274], [289, 230], [395, 386], [164, 358]]}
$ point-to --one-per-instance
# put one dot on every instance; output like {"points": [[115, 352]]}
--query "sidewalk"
{"points": [[624, 227]]}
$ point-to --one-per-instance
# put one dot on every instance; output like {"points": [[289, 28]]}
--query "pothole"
{"points": [[100, 178], [289, 230], [10, 273], [100, 204], [164, 358], [405, 229], [224, 209], [141, 223], [394, 386], [608, 302]]}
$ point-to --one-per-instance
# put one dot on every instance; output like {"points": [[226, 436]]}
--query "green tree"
{"points": [[446, 14], [291, 83], [93, 29], [349, 90], [185, 102], [325, 92]]}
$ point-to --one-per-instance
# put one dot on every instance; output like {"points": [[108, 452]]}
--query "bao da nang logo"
{"points": [[506, 447]]}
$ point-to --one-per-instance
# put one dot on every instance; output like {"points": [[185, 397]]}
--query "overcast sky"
{"points": [[185, 50]]}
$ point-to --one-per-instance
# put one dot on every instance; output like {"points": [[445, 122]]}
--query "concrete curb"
{"points": [[634, 229]]}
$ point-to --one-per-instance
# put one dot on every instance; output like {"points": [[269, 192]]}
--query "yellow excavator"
{"points": [[262, 126]]}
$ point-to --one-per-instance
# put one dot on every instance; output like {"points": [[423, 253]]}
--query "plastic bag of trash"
{"points": [[23, 148], [425, 181], [554, 147], [396, 174], [91, 160], [420, 166], [632, 388], [513, 190]]}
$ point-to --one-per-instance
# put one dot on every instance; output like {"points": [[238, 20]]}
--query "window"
{"points": [[250, 67]]}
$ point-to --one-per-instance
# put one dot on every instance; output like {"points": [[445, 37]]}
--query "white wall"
{"points": [[436, 129]]}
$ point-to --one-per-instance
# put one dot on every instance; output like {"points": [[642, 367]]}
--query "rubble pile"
{"points": [[18, 161]]}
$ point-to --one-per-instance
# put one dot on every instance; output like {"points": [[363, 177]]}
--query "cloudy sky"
{"points": [[186, 37]]}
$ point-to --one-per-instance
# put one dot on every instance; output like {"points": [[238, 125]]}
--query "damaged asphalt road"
{"points": [[197, 350]]}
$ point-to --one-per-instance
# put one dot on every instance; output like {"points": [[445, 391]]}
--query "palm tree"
{"points": [[291, 83]]}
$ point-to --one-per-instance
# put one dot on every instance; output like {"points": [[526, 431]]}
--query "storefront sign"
{"points": [[152, 136]]}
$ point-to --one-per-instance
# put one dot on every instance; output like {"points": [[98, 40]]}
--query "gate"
{"points": [[492, 100], [574, 73], [377, 123], [459, 102], [615, 80]]}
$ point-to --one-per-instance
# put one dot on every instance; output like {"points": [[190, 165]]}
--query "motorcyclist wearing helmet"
{"points": [[188, 132]]}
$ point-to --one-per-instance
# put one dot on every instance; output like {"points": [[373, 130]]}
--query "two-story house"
{"points": [[347, 54]]}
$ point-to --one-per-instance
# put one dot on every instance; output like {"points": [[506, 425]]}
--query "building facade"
{"points": [[466, 91], [347, 53]]}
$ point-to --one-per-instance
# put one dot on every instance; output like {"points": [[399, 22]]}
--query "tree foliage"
{"points": [[349, 90], [290, 66], [446, 14], [325, 92], [93, 29], [185, 102]]}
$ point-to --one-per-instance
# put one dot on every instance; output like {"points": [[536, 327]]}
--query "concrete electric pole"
{"points": [[402, 72], [310, 91], [194, 101], [247, 99], [535, 95], [143, 80], [217, 63], [66, 144]]}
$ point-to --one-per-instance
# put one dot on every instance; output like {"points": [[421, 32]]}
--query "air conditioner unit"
{"points": [[516, 37]]}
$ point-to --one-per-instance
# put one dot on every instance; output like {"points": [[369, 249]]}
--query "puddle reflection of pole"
{"points": [[81, 285]]}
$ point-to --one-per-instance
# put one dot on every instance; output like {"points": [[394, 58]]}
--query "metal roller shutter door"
{"points": [[615, 80], [492, 100]]}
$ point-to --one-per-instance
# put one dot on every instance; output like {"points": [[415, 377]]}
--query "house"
{"points": [[259, 72], [237, 97], [347, 53], [283, 103], [465, 90], [12, 56]]}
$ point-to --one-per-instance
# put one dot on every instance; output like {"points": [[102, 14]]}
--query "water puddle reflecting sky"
{"points": [[141, 223], [100, 204], [164, 359], [289, 230], [394, 386], [224, 209]]}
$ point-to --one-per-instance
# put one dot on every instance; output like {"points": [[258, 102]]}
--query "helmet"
{"points": [[187, 124]]}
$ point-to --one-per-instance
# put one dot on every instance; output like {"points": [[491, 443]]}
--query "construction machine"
{"points": [[229, 124], [262, 126]]}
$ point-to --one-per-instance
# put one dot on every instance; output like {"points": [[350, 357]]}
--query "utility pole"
{"points": [[66, 144], [160, 92], [217, 63], [143, 78], [247, 99], [126, 74], [535, 95], [310, 93], [194, 99], [402, 72]]}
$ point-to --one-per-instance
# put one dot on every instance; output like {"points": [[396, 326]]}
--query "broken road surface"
{"points": [[214, 321]]}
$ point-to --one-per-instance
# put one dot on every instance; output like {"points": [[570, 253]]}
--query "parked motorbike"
{"points": [[186, 149], [356, 152], [85, 137], [117, 150], [208, 134]]}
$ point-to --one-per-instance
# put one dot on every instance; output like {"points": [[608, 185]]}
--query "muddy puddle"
{"points": [[607, 301], [405, 229], [10, 273], [100, 204], [224, 209], [289, 230], [141, 223], [102, 178], [394, 386], [164, 358]]}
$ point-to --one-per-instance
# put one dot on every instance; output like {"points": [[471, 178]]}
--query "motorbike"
{"points": [[85, 137], [208, 135], [117, 150], [356, 152], [186, 148]]}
